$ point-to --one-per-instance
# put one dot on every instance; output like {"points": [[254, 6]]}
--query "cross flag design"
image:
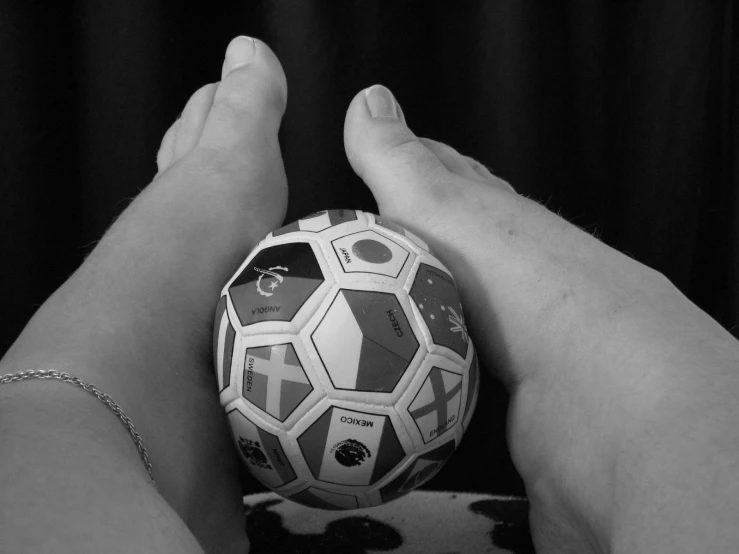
{"points": [[274, 380], [436, 406], [435, 294]]}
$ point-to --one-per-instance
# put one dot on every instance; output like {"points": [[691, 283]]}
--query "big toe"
{"points": [[411, 178], [230, 168], [252, 93], [221, 197], [395, 164]]}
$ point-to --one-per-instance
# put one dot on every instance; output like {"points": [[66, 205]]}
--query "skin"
{"points": [[623, 393]]}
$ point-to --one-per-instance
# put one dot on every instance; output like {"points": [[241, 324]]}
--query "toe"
{"points": [[486, 174], [453, 160], [252, 94], [166, 149], [219, 199], [193, 119], [402, 169], [383, 151], [464, 166]]}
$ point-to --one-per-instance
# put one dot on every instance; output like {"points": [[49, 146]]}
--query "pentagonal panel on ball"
{"points": [[421, 470], [274, 380], [365, 341], [436, 296], [349, 447], [224, 338], [435, 408], [261, 451], [276, 283], [317, 222], [370, 252]]}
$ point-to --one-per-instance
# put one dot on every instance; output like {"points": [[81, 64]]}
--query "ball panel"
{"points": [[317, 222], [349, 357], [419, 471], [223, 345], [260, 450], [245, 264], [379, 368], [472, 390], [383, 321], [430, 407], [276, 284], [364, 341], [370, 252], [274, 380], [344, 228], [389, 453], [312, 442], [351, 446], [292, 227], [325, 500], [437, 300], [338, 326], [435, 408], [369, 499]]}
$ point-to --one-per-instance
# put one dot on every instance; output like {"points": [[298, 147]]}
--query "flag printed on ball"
{"points": [[223, 345], [435, 409], [274, 380], [435, 294], [370, 252], [317, 498], [419, 472], [348, 447], [261, 450], [276, 283], [365, 341], [317, 222]]}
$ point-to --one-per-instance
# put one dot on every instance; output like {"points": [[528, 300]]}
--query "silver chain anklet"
{"points": [[92, 389]]}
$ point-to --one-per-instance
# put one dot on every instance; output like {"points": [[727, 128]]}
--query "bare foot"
{"points": [[572, 326]]}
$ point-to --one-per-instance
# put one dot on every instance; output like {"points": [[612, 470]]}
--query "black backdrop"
{"points": [[619, 115]]}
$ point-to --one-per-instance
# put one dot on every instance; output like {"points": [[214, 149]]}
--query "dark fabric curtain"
{"points": [[621, 116]]}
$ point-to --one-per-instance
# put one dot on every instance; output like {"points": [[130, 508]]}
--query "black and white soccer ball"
{"points": [[343, 361]]}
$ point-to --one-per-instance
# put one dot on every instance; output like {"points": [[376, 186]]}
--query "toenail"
{"points": [[381, 103], [240, 52]]}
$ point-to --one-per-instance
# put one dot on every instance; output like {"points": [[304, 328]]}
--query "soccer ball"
{"points": [[343, 361]]}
